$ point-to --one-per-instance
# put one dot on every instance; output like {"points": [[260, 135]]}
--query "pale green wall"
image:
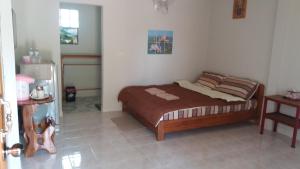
{"points": [[89, 30]]}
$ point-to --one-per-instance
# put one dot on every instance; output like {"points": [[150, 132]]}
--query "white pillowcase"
{"points": [[208, 91]]}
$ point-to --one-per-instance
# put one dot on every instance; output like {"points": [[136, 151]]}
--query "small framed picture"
{"points": [[239, 9], [160, 42]]}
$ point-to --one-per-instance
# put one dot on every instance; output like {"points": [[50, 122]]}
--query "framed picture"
{"points": [[160, 42], [239, 9], [69, 36]]}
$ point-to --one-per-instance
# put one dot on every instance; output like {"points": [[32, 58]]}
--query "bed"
{"points": [[188, 110]]}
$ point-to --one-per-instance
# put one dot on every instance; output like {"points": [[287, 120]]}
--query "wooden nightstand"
{"points": [[278, 117]]}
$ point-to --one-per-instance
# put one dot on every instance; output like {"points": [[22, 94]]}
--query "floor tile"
{"points": [[90, 139]]}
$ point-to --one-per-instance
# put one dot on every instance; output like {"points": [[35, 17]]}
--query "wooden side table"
{"points": [[34, 140], [279, 117]]}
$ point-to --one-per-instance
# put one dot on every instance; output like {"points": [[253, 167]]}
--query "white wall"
{"points": [[284, 69], [241, 47], [89, 31], [37, 26]]}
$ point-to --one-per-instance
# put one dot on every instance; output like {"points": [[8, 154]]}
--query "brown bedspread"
{"points": [[152, 107]]}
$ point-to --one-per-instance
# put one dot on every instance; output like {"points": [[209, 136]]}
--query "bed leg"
{"points": [[159, 132], [260, 103], [124, 108]]}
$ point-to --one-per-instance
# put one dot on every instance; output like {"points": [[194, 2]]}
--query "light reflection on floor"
{"points": [[72, 160]]}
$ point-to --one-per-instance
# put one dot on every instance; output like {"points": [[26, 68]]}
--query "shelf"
{"points": [[81, 56], [282, 118], [277, 117]]}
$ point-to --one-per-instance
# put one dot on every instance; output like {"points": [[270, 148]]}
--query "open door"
{"points": [[2, 161], [5, 128]]}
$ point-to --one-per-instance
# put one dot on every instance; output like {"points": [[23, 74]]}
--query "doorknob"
{"points": [[15, 150]]}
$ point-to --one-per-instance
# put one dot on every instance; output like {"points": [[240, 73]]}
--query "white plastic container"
{"points": [[23, 82]]}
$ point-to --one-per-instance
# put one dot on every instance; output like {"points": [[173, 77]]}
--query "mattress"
{"points": [[190, 104]]}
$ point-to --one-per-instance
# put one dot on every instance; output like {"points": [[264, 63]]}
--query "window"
{"points": [[69, 25]]}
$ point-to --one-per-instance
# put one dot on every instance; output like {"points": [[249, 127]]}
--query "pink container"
{"points": [[23, 82], [26, 59]]}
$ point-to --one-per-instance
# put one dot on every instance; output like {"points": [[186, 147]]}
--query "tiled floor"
{"points": [[114, 140], [82, 104]]}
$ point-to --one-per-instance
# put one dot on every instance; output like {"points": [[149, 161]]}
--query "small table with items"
{"points": [[279, 117], [37, 140]]}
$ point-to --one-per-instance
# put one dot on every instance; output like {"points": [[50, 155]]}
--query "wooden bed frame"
{"points": [[204, 121]]}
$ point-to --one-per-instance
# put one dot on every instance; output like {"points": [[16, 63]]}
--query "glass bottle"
{"points": [[30, 52], [37, 55]]}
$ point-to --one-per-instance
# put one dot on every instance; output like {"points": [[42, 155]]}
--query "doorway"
{"points": [[81, 55]]}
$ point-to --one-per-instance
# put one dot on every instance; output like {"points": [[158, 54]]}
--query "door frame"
{"points": [[9, 75], [2, 116]]}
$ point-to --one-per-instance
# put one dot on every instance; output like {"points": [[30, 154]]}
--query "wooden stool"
{"points": [[34, 140]]}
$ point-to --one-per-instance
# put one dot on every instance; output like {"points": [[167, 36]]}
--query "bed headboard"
{"points": [[259, 95]]}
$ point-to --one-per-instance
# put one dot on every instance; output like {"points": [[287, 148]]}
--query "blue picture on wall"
{"points": [[160, 42]]}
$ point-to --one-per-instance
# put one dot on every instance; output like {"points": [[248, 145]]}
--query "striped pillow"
{"points": [[210, 80], [243, 88]]}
